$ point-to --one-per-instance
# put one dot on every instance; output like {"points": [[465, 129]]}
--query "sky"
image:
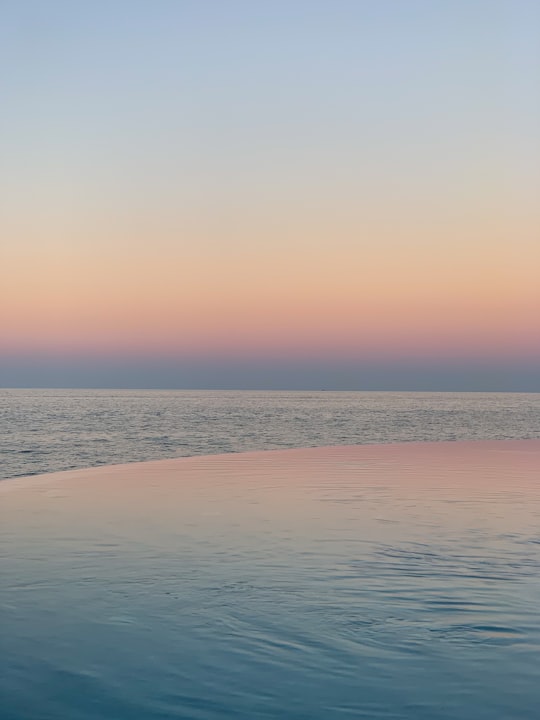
{"points": [[338, 194]]}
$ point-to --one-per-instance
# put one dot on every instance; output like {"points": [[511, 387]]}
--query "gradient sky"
{"points": [[291, 194]]}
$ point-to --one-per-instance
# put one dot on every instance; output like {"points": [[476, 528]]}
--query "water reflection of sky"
{"points": [[395, 581]]}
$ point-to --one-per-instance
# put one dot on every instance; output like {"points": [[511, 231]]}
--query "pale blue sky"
{"points": [[129, 99]]}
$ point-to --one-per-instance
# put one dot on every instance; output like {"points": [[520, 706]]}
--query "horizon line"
{"points": [[270, 390]]}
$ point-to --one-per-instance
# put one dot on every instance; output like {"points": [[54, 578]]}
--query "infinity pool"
{"points": [[383, 581]]}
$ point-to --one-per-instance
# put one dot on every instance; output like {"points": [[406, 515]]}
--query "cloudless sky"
{"points": [[339, 194]]}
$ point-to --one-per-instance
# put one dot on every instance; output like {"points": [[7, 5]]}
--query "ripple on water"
{"points": [[267, 587]]}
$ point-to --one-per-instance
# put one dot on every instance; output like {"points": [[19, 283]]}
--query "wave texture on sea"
{"points": [[50, 430]]}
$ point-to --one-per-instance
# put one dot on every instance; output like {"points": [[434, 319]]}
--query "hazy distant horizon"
{"points": [[308, 376], [270, 390]]}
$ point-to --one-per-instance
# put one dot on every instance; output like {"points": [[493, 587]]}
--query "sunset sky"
{"points": [[275, 194]]}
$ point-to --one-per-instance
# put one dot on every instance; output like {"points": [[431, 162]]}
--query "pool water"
{"points": [[377, 581]]}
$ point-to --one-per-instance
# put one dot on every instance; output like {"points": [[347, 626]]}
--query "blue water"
{"points": [[394, 582], [48, 430]]}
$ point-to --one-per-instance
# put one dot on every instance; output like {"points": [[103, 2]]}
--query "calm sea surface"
{"points": [[48, 430]]}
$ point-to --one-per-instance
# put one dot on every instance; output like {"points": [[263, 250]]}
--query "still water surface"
{"points": [[395, 581]]}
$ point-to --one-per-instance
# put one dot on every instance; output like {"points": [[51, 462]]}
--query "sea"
{"points": [[280, 555], [44, 431]]}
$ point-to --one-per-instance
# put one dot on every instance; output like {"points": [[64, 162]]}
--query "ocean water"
{"points": [[392, 581], [48, 430]]}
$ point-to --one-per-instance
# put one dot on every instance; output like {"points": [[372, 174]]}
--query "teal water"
{"points": [[397, 581]]}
